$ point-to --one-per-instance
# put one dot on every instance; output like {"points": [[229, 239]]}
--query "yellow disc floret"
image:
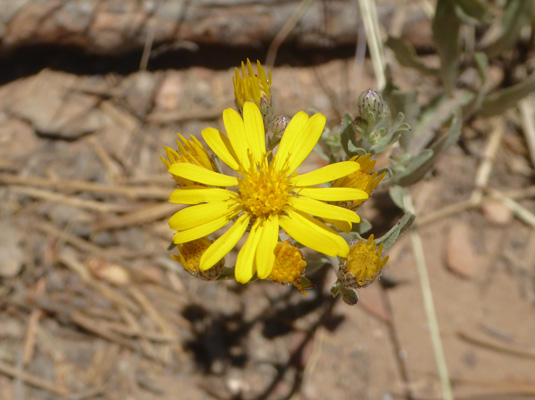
{"points": [[363, 264], [289, 265], [264, 190], [189, 255]]}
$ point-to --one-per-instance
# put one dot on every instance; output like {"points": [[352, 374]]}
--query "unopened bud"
{"points": [[278, 126], [372, 106]]}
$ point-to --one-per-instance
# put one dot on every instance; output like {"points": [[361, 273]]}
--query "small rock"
{"points": [[461, 257], [138, 91], [170, 94], [112, 273], [53, 104], [496, 212]]}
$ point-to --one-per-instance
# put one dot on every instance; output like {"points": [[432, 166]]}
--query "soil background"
{"points": [[93, 307]]}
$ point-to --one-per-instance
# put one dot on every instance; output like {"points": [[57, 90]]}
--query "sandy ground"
{"points": [[92, 307]]}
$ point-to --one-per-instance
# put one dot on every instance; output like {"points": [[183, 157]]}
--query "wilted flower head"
{"points": [[289, 265], [363, 264], [362, 179], [189, 255]]}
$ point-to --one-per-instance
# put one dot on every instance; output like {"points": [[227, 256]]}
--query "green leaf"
{"points": [[497, 102], [389, 138], [471, 11], [414, 169], [405, 103], [362, 227], [392, 235], [397, 193], [420, 165], [406, 56], [350, 296], [482, 63], [517, 14], [446, 26], [305, 283], [347, 133]]}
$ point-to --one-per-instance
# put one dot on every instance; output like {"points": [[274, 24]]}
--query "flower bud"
{"points": [[278, 126], [371, 106]]}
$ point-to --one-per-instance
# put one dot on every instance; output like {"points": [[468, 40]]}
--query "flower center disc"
{"points": [[264, 191]]}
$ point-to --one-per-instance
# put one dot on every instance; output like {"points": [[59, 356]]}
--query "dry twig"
{"points": [[32, 380], [130, 192]]}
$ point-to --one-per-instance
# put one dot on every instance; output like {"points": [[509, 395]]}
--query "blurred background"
{"points": [[93, 307]]}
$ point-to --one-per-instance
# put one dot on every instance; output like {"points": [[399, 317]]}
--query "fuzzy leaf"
{"points": [[482, 63], [517, 14], [362, 227], [405, 103], [446, 26], [392, 235], [419, 166], [406, 56], [497, 102], [396, 193], [412, 171], [471, 11], [347, 134]]}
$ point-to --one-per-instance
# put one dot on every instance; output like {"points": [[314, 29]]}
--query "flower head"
{"points": [[363, 264], [361, 179], [252, 87], [268, 194], [189, 255], [189, 152], [289, 265]]}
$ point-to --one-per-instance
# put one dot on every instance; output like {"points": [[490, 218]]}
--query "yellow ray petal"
{"points": [[323, 210], [200, 230], [326, 174], [254, 129], [221, 247], [196, 195], [265, 254], [297, 124], [237, 135], [202, 175], [302, 140], [313, 234], [343, 226], [333, 193], [245, 267], [220, 145], [197, 215]]}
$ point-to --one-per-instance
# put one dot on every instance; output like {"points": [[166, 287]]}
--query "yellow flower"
{"points": [[289, 265], [189, 255], [190, 152], [363, 264], [252, 87], [361, 179], [268, 194]]}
